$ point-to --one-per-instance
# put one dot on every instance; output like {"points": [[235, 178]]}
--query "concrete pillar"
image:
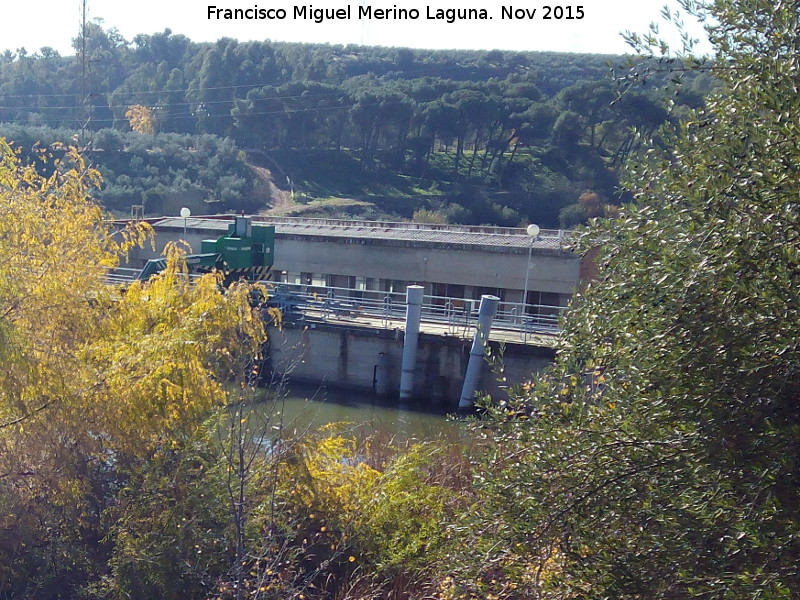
{"points": [[413, 311], [486, 315]]}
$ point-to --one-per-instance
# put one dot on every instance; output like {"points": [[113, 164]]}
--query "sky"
{"points": [[54, 23]]}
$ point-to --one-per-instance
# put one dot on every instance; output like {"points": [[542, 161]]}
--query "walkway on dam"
{"points": [[506, 336], [530, 324], [448, 317]]}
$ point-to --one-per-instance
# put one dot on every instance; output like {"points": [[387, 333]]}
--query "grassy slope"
{"points": [[333, 183]]}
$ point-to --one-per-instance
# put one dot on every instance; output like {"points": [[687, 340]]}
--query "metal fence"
{"points": [[126, 275], [388, 309], [122, 275], [458, 315]]}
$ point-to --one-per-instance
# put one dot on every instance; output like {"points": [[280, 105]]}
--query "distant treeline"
{"points": [[162, 173], [531, 133]]}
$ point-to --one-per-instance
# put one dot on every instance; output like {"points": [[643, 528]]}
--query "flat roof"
{"points": [[509, 239]]}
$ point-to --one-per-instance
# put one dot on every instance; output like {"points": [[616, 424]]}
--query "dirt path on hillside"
{"points": [[281, 200]]}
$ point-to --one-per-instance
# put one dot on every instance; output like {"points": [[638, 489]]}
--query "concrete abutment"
{"points": [[369, 360]]}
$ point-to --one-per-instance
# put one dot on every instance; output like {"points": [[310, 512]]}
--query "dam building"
{"points": [[342, 286], [449, 261]]}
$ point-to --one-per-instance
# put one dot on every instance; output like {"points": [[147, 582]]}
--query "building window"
{"points": [[544, 307], [396, 286], [449, 290]]}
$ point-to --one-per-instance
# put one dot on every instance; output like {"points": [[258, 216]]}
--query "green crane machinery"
{"points": [[247, 251]]}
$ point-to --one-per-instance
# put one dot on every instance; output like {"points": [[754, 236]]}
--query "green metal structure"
{"points": [[246, 252]]}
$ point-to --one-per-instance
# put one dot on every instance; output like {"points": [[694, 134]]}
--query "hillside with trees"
{"points": [[658, 459], [449, 136]]}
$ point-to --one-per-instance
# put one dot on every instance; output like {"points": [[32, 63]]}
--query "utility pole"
{"points": [[85, 115]]}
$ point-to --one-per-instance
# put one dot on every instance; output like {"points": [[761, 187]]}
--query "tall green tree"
{"points": [[660, 457]]}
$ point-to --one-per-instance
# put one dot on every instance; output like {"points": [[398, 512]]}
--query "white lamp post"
{"points": [[533, 231], [185, 213]]}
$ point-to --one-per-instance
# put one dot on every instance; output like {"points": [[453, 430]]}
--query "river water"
{"points": [[303, 407]]}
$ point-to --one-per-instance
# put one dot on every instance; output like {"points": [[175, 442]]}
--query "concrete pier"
{"points": [[410, 339], [312, 353]]}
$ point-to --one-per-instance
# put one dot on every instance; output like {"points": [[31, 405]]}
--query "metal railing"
{"points": [[457, 315], [122, 275], [126, 275]]}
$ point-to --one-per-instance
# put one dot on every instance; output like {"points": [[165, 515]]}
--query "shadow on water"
{"points": [[308, 407]]}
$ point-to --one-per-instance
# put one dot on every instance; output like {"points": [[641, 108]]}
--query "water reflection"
{"points": [[301, 408]]}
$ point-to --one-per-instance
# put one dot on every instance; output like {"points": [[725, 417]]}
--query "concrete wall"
{"points": [[551, 272], [346, 357]]}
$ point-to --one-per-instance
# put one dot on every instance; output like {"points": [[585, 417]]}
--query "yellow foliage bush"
{"points": [[390, 518]]}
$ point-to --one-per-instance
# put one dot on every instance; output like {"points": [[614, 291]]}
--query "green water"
{"points": [[302, 408]]}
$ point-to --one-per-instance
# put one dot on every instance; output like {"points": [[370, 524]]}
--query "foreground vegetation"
{"points": [[657, 459]]}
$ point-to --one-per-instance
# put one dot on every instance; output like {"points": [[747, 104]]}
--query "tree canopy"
{"points": [[659, 458], [531, 131]]}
